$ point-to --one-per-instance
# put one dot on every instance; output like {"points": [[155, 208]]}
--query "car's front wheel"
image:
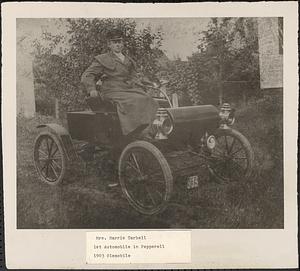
{"points": [[145, 177]]}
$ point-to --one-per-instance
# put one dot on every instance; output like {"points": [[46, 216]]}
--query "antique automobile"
{"points": [[146, 171]]}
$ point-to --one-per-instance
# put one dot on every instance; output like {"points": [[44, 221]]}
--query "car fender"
{"points": [[63, 136]]}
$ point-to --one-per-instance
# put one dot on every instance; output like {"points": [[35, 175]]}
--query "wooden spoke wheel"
{"points": [[232, 158], [49, 158], [145, 177]]}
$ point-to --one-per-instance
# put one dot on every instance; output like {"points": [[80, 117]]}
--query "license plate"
{"points": [[192, 182]]}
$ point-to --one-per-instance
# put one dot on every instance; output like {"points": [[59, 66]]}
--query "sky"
{"points": [[179, 34]]}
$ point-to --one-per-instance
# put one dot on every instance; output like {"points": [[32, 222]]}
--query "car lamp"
{"points": [[227, 114], [163, 124], [211, 142]]}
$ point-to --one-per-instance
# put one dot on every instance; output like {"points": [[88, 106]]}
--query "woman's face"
{"points": [[116, 45]]}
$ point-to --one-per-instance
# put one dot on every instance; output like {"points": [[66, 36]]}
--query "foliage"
{"points": [[228, 53], [85, 39], [43, 101], [225, 64]]}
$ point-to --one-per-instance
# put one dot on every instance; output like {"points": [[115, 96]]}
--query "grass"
{"points": [[83, 201]]}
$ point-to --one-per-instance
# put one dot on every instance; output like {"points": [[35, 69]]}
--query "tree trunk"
{"points": [[56, 108], [220, 82], [220, 89], [244, 97], [175, 100]]}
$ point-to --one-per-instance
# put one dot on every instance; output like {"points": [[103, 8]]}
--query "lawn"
{"points": [[84, 201]]}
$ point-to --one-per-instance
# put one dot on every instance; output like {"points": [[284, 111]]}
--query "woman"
{"points": [[120, 85]]}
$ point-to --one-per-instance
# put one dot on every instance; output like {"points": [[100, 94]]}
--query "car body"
{"points": [[145, 170]]}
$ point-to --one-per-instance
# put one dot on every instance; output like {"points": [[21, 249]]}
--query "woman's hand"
{"points": [[94, 93]]}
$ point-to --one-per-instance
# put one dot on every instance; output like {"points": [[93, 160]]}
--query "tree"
{"points": [[227, 54], [85, 39]]}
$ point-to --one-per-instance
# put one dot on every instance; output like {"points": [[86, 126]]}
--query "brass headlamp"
{"points": [[227, 114], [163, 124]]}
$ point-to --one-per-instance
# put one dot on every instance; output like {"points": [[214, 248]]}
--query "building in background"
{"points": [[270, 42], [25, 87]]}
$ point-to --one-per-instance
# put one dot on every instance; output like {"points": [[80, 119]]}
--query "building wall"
{"points": [[25, 88], [270, 42]]}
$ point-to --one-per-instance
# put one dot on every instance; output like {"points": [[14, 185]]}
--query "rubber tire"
{"points": [[246, 145], [57, 141], [166, 172]]}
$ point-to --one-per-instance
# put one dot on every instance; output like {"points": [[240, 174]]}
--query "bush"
{"points": [[45, 107], [44, 103], [262, 122]]}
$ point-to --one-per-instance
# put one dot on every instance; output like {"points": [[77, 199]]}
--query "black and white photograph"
{"points": [[150, 123], [154, 135]]}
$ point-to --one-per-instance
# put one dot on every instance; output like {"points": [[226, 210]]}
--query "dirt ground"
{"points": [[84, 201]]}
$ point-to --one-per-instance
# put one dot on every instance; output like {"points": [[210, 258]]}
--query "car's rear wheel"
{"points": [[232, 158], [145, 177], [49, 158]]}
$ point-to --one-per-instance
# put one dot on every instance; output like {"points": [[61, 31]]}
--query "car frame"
{"points": [[145, 174]]}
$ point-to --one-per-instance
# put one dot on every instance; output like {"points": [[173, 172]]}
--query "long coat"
{"points": [[119, 84]]}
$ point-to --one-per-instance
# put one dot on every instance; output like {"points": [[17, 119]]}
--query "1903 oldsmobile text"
{"points": [[139, 247]]}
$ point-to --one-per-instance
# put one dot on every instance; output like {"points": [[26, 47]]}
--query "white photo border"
{"points": [[212, 248]]}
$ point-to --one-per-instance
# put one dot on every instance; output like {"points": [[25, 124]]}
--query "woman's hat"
{"points": [[115, 34]]}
